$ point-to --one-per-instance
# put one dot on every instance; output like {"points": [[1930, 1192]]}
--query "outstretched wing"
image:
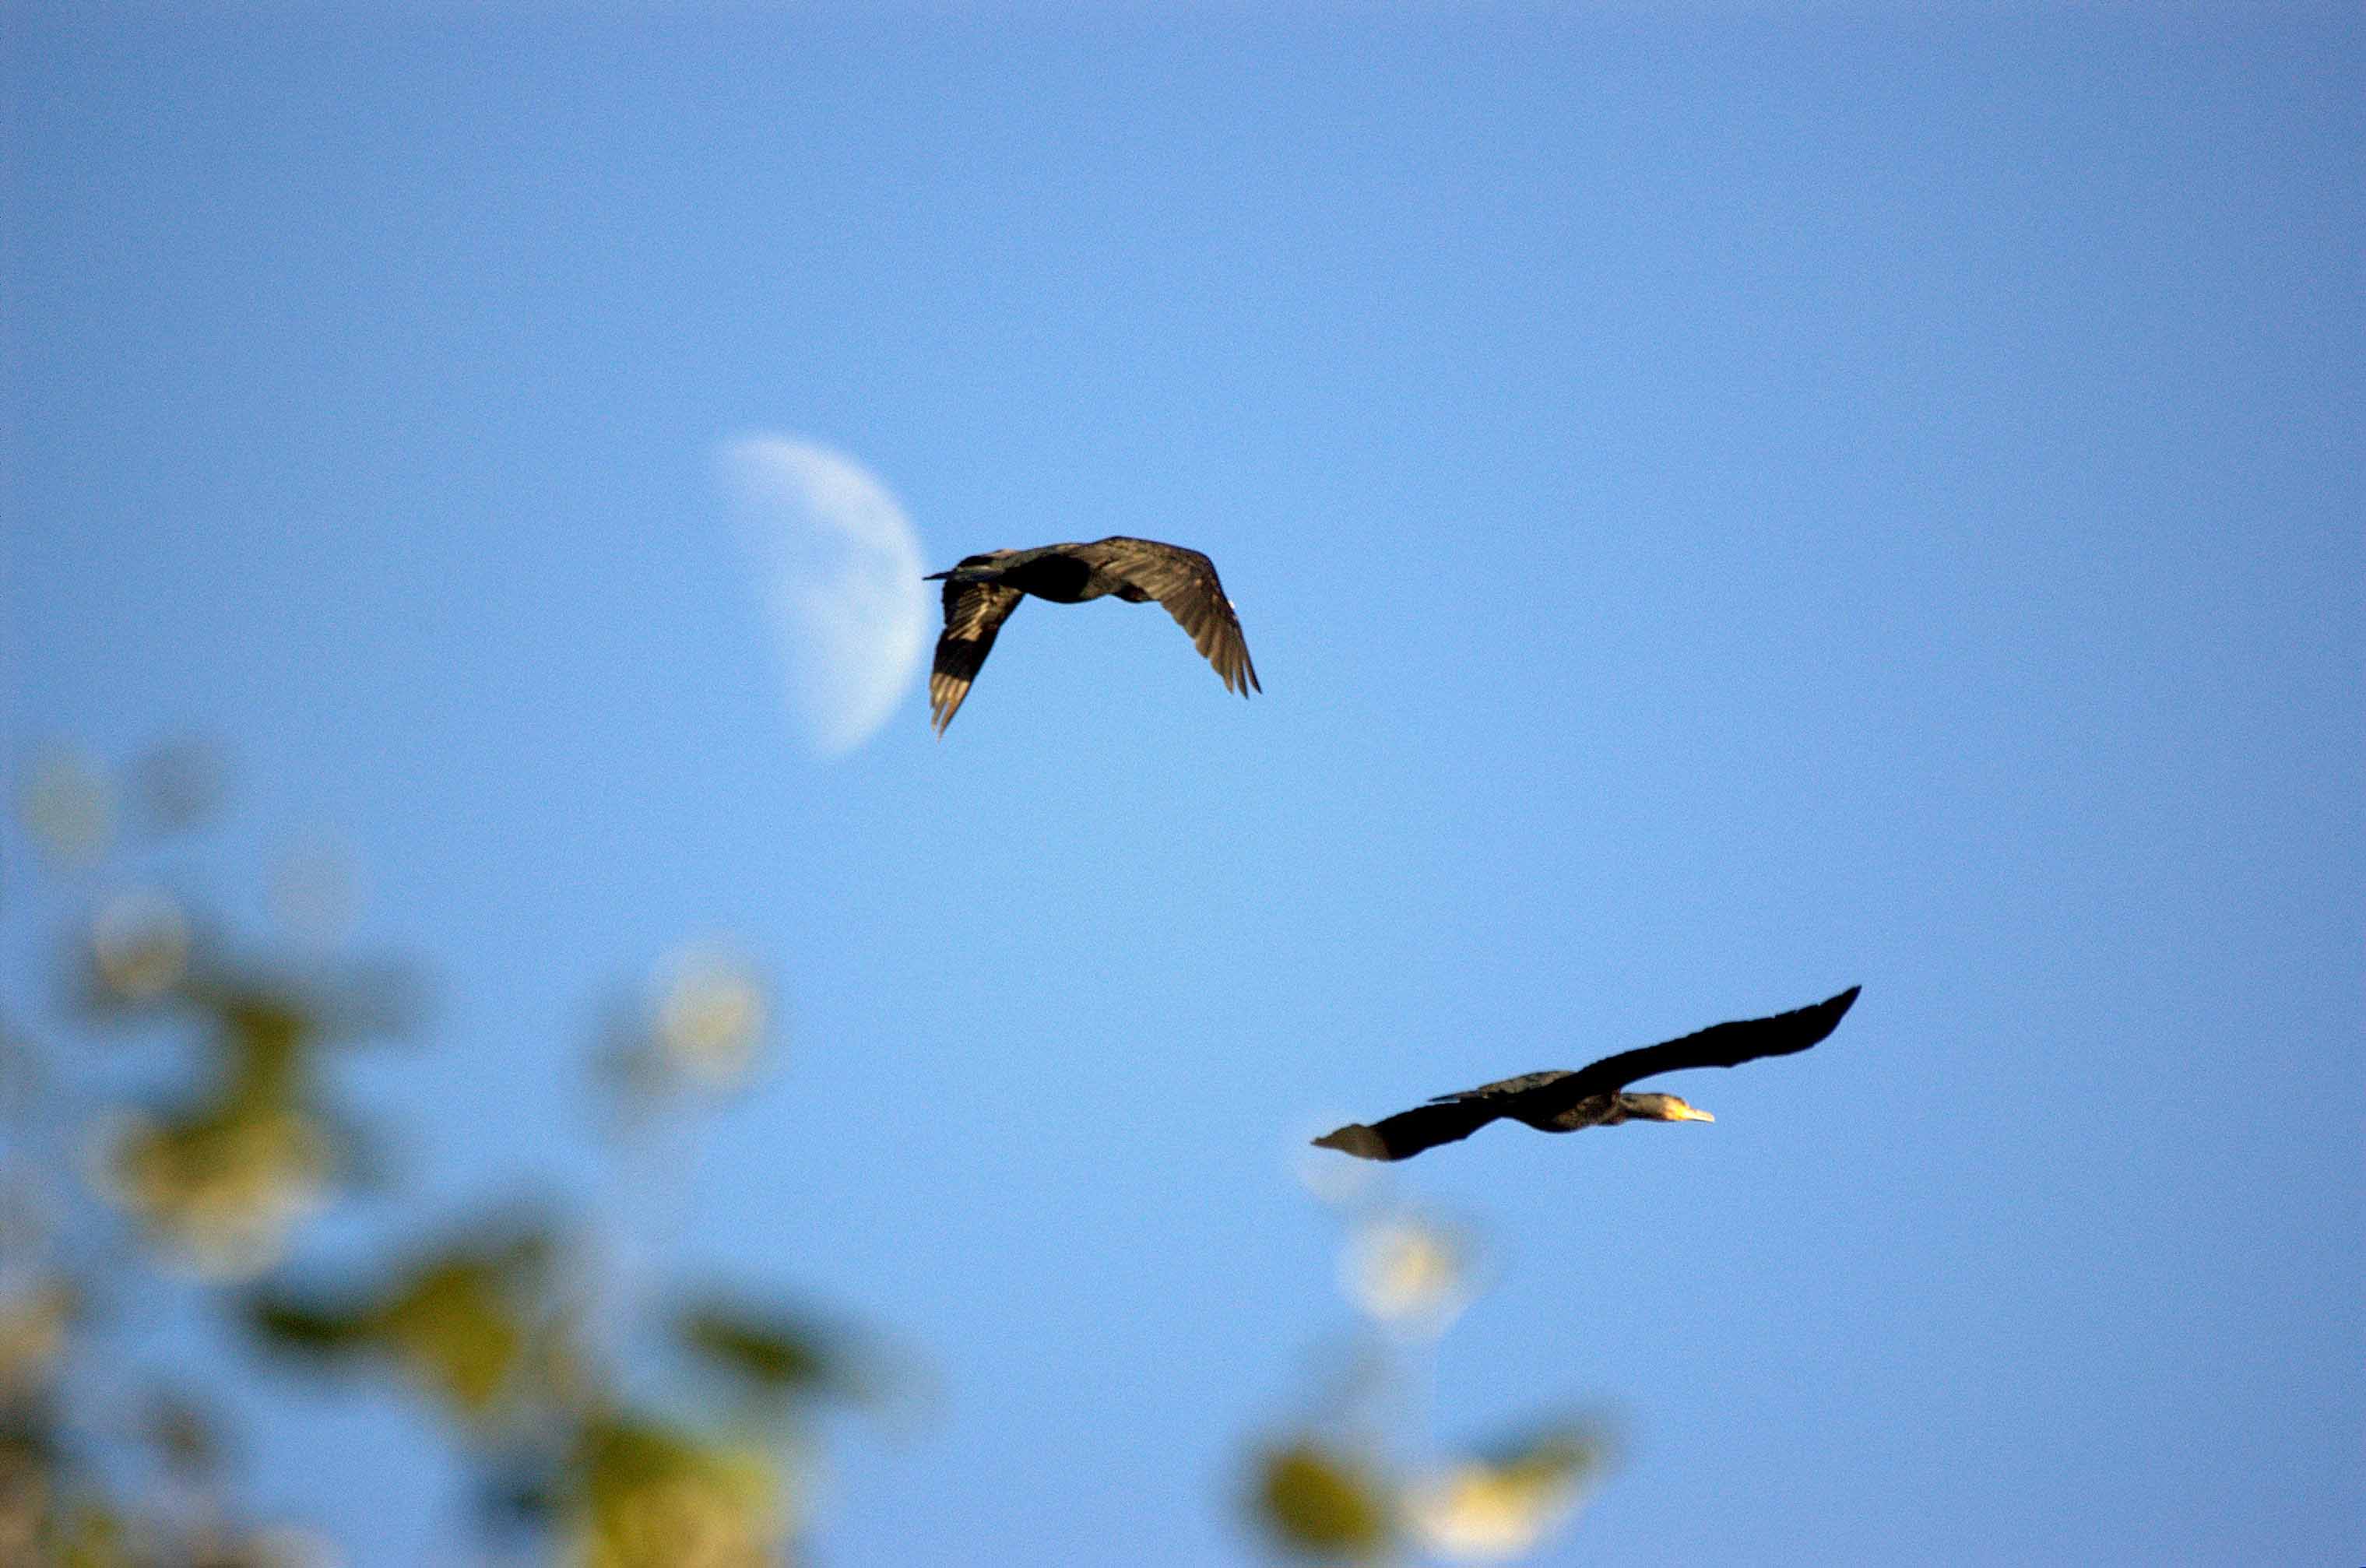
{"points": [[1721, 1045], [1184, 582], [1457, 1115], [1503, 1088], [974, 614], [1409, 1132]]}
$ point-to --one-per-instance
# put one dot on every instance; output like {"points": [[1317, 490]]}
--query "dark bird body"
{"points": [[982, 591], [1592, 1096]]}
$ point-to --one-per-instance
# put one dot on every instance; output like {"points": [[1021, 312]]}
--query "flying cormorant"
{"points": [[982, 591], [1592, 1097]]}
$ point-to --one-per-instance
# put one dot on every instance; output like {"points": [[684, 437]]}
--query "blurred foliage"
{"points": [[1324, 1503], [221, 1174], [647, 1495], [1354, 1481], [698, 1029], [774, 1358], [167, 1184], [66, 802], [208, 1139], [458, 1324], [1503, 1505]]}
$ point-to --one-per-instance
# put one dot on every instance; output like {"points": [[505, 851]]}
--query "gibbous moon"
{"points": [[839, 569]]}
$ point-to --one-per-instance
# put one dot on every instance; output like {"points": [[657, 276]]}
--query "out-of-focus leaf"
{"points": [[709, 1015], [269, 1037], [700, 1025], [632, 1070], [139, 946], [282, 1546], [33, 1327], [1317, 1502], [772, 1353], [303, 1329], [89, 1534], [463, 1330], [67, 805], [371, 1001], [1503, 1505], [463, 1323], [53, 1520], [178, 785], [27, 1487], [652, 1496], [221, 1187], [1411, 1272], [269, 1022], [185, 1436], [23, 1075], [519, 1496]]}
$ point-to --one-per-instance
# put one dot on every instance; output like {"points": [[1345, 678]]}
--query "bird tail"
{"points": [[1409, 1132], [1359, 1140]]}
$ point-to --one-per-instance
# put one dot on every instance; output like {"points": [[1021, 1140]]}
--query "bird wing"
{"points": [[1186, 583], [974, 614], [1409, 1132], [1721, 1045], [1504, 1087]]}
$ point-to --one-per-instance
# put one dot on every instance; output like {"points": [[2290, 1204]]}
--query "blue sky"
{"points": [[1726, 505]]}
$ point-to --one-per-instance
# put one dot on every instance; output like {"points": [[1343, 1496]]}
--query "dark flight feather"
{"points": [[1184, 581], [974, 614]]}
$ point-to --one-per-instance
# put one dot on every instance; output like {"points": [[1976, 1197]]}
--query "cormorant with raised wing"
{"points": [[1592, 1096], [982, 591]]}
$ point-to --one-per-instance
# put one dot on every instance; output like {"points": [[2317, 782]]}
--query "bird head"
{"points": [[1661, 1108]]}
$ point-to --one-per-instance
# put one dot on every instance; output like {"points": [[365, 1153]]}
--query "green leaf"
{"points": [[303, 1329], [1321, 1503], [770, 1352], [646, 1490]]}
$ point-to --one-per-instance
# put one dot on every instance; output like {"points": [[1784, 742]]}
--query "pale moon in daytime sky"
{"points": [[838, 567]]}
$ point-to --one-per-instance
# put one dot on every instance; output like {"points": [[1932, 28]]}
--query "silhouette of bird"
{"points": [[982, 591], [1592, 1097]]}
